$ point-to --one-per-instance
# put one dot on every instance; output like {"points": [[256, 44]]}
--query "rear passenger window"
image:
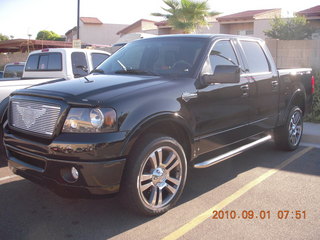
{"points": [[223, 54], [44, 62], [256, 58], [79, 64], [98, 58]]}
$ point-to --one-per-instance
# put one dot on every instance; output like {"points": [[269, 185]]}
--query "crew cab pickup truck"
{"points": [[149, 111], [52, 63]]}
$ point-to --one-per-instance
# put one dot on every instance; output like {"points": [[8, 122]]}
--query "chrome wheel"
{"points": [[295, 128], [160, 177]]}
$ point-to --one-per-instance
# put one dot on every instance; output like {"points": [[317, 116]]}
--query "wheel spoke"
{"points": [[296, 118], [145, 186], [159, 151], [299, 130], [160, 197], [173, 180], [169, 159], [294, 139], [174, 165], [153, 196], [145, 177], [171, 189], [153, 161]]}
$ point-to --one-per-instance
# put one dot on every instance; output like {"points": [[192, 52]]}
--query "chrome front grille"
{"points": [[35, 117]]}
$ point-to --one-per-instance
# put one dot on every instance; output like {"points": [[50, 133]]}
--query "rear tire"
{"points": [[288, 136], [155, 175]]}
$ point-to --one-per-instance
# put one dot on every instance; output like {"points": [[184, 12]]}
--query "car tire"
{"points": [[288, 136], [154, 176]]}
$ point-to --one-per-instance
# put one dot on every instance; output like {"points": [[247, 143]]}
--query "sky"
{"points": [[19, 18]]}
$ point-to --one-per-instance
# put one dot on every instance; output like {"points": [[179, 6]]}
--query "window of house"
{"points": [[223, 54], [79, 64], [256, 58]]}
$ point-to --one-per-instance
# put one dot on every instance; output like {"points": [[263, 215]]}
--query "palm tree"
{"points": [[186, 15]]}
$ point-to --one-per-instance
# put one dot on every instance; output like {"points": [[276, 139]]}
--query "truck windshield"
{"points": [[178, 57]]}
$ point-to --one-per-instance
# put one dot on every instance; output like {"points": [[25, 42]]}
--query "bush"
{"points": [[314, 116]]}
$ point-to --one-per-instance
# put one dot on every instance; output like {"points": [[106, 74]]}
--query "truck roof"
{"points": [[67, 50], [209, 36]]}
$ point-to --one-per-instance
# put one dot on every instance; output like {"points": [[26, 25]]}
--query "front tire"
{"points": [[288, 137], [155, 175]]}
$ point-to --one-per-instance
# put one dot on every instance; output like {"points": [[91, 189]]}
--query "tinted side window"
{"points": [[44, 62], [79, 64], [223, 54], [12, 71], [256, 58], [98, 58]]}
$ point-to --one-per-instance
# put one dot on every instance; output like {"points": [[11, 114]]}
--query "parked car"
{"points": [[53, 63], [1, 74], [149, 111], [13, 70]]}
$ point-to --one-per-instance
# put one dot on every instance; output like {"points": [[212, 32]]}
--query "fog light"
{"points": [[74, 173]]}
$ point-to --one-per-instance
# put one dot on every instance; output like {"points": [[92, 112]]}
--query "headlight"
{"points": [[90, 120]]}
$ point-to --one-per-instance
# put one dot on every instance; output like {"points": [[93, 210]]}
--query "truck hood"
{"points": [[86, 90]]}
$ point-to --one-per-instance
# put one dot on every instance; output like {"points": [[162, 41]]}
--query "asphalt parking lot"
{"points": [[263, 193]]}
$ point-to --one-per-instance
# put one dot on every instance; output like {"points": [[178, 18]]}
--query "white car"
{"points": [[53, 63]]}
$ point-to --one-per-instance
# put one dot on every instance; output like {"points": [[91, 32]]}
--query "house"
{"points": [[313, 16], [142, 25], [93, 31], [251, 23]]}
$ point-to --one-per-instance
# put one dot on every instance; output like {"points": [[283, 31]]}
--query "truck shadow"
{"points": [[28, 211]]}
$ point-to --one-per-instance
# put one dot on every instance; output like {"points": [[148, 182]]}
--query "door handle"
{"points": [[274, 85], [245, 90], [245, 87]]}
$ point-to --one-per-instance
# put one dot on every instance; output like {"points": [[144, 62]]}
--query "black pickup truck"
{"points": [[149, 111]]}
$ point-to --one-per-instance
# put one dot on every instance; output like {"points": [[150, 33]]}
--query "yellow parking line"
{"points": [[202, 217]]}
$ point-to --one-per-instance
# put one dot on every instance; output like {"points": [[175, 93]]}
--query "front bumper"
{"points": [[49, 163]]}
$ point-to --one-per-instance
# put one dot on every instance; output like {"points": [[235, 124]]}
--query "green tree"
{"points": [[296, 28], [186, 15], [3, 37], [48, 35]]}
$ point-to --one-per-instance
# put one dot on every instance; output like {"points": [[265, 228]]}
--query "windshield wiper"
{"points": [[98, 71], [136, 72]]}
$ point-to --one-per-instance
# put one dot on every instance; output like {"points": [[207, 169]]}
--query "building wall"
{"points": [[104, 34], [12, 57], [235, 28], [212, 28], [260, 26], [148, 26], [295, 53]]}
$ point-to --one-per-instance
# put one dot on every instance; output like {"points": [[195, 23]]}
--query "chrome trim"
{"points": [[232, 153], [187, 96], [34, 117]]}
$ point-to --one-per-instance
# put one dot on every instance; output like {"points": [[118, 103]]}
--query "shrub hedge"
{"points": [[314, 116]]}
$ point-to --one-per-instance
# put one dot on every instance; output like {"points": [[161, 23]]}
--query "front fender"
{"points": [[147, 124], [3, 109]]}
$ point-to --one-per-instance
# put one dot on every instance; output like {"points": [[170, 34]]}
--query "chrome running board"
{"points": [[232, 153]]}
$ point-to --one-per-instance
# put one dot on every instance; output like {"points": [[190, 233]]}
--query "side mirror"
{"points": [[222, 74]]}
